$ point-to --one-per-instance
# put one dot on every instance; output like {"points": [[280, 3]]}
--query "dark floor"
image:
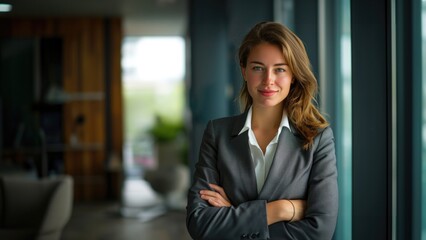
{"points": [[102, 221]]}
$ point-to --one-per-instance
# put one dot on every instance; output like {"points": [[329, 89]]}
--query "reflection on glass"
{"points": [[345, 124], [346, 180], [423, 156]]}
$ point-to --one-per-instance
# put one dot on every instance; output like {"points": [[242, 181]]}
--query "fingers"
{"points": [[216, 198], [220, 190], [211, 194]]}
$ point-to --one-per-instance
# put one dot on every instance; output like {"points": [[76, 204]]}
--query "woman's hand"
{"points": [[216, 198], [283, 210]]}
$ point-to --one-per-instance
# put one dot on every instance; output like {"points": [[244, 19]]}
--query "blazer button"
{"points": [[253, 236], [244, 236]]}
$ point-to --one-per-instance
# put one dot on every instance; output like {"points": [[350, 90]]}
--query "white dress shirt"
{"points": [[262, 162]]}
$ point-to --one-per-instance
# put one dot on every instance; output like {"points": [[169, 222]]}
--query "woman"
{"points": [[269, 173]]}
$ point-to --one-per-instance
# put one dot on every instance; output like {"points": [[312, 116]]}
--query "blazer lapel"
{"points": [[281, 171], [244, 163]]}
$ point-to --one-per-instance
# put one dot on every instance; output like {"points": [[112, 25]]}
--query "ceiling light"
{"points": [[4, 7]]}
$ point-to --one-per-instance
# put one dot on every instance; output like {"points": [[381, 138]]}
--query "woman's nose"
{"points": [[268, 78]]}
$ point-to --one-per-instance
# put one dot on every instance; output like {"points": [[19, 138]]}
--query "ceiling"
{"points": [[140, 17]]}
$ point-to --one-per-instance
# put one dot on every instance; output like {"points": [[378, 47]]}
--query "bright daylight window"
{"points": [[153, 90]]}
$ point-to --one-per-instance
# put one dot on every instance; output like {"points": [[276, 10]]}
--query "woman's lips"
{"points": [[267, 93]]}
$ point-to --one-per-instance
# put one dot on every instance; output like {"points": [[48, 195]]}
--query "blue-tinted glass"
{"points": [[345, 111], [423, 157]]}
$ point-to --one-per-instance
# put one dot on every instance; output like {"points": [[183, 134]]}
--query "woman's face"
{"points": [[268, 76]]}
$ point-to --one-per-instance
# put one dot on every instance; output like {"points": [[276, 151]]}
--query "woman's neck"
{"points": [[266, 118]]}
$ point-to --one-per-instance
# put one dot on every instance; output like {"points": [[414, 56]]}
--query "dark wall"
{"points": [[16, 85], [371, 120]]}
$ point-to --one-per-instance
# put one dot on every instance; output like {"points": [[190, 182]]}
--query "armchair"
{"points": [[34, 209]]}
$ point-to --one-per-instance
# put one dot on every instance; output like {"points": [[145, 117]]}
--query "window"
{"points": [[423, 154], [343, 116], [153, 89], [345, 111], [336, 98]]}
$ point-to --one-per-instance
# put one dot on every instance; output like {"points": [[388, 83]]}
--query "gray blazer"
{"points": [[295, 173]]}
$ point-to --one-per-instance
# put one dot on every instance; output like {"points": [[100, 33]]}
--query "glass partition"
{"points": [[344, 99], [423, 155]]}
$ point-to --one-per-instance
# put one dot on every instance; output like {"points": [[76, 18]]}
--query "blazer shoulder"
{"points": [[228, 124], [229, 119], [324, 136], [327, 131]]}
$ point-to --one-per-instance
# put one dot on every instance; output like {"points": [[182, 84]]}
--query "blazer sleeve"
{"points": [[245, 221], [322, 200]]}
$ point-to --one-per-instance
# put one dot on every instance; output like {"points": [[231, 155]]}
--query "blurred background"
{"points": [[115, 95]]}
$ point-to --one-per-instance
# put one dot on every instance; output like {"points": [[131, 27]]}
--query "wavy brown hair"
{"points": [[299, 103]]}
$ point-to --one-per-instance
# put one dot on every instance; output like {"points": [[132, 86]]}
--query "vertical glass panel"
{"points": [[335, 81], [344, 124], [423, 156]]}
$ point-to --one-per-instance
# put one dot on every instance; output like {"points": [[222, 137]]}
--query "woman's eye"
{"points": [[257, 68], [280, 70]]}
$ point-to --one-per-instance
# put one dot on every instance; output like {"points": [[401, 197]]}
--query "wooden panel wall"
{"points": [[116, 107], [84, 70]]}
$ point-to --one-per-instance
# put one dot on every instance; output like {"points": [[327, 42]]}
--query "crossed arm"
{"points": [[276, 211], [210, 214]]}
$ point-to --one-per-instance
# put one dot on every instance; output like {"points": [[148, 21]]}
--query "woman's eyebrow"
{"points": [[256, 62], [260, 63]]}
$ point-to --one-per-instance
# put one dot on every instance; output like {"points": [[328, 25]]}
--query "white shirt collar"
{"points": [[247, 124]]}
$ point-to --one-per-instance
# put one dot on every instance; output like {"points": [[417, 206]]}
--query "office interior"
{"points": [[369, 58]]}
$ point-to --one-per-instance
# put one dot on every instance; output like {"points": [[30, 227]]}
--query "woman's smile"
{"points": [[267, 93]]}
